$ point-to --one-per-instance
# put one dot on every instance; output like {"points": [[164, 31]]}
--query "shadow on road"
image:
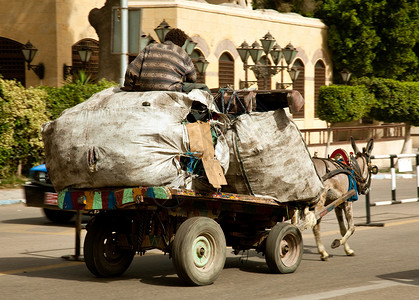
{"points": [[406, 277], [42, 221]]}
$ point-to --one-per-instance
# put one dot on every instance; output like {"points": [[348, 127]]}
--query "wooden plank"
{"points": [[334, 204]]}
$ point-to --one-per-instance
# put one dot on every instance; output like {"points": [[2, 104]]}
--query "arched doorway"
{"points": [[12, 61], [92, 66], [319, 81], [299, 84], [195, 56], [226, 70]]}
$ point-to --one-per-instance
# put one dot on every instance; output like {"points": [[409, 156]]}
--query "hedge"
{"points": [[396, 101], [71, 94], [341, 103], [23, 111]]}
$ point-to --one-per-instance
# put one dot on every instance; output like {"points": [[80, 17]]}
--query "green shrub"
{"points": [[71, 94], [22, 112], [396, 101], [341, 103]]}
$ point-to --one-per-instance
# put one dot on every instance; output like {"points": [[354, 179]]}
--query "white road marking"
{"points": [[375, 285]]}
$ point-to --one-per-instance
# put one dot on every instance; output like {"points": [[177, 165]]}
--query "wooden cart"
{"points": [[194, 228]]}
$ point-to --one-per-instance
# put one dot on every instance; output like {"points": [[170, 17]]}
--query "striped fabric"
{"points": [[160, 67]]}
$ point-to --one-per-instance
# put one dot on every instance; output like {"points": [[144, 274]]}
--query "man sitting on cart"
{"points": [[163, 67]]}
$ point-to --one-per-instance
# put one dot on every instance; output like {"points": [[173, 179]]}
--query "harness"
{"points": [[352, 170]]}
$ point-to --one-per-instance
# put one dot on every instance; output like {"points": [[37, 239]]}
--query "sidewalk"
{"points": [[11, 196]]}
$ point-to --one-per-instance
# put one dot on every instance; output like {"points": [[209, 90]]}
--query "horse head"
{"points": [[362, 166]]}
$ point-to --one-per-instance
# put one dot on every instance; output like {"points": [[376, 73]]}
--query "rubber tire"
{"points": [[104, 259], [58, 216], [284, 248], [193, 267]]}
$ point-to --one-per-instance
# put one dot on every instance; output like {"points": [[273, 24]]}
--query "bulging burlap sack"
{"points": [[269, 157]]}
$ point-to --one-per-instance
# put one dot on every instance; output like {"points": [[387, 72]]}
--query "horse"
{"points": [[338, 177]]}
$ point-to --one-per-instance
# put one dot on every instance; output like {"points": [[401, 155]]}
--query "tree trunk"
{"points": [[329, 134], [19, 170], [407, 145]]}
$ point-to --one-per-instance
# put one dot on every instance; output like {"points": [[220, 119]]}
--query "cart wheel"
{"points": [[199, 251], [284, 248], [102, 255]]}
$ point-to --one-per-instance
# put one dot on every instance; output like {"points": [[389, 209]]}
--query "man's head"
{"points": [[176, 36]]}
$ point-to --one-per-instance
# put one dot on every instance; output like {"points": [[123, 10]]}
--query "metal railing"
{"points": [[369, 204], [342, 135]]}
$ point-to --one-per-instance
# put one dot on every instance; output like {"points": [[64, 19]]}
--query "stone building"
{"points": [[60, 28]]}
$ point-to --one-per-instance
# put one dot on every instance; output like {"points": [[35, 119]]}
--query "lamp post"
{"points": [[84, 53], [278, 55], [346, 75], [29, 52], [162, 30]]}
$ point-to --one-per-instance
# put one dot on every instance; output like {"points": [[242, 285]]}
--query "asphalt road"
{"points": [[386, 264]]}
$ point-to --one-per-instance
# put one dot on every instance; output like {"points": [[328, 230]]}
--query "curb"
{"points": [[388, 176], [11, 201]]}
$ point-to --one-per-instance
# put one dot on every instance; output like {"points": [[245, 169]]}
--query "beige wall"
{"points": [[52, 26], [219, 28]]}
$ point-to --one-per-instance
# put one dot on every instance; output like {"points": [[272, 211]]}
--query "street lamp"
{"points": [[278, 55], [201, 64], [145, 40], [346, 75], [256, 52], [29, 52], [162, 30], [85, 54], [189, 45]]}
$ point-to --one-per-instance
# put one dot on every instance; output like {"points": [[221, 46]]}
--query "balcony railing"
{"points": [[342, 135]]}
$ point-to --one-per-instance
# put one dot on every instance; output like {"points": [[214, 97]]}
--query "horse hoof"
{"points": [[352, 253], [335, 244]]}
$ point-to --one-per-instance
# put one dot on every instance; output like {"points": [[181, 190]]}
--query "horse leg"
{"points": [[345, 232], [320, 247]]}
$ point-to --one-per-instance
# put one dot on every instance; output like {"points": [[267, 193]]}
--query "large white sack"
{"points": [[118, 138], [269, 157]]}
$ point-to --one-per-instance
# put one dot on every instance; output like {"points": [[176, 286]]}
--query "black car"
{"points": [[41, 193]]}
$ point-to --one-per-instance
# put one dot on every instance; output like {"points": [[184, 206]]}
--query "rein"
{"points": [[353, 169]]}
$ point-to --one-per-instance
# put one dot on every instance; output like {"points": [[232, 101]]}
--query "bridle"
{"points": [[353, 169], [363, 183]]}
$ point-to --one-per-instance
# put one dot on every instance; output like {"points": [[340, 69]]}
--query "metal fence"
{"points": [[342, 135], [393, 200]]}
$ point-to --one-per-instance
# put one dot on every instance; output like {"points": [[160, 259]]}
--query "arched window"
{"points": [[195, 55], [319, 80], [92, 66], [299, 85], [12, 61], [225, 70], [264, 83]]}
